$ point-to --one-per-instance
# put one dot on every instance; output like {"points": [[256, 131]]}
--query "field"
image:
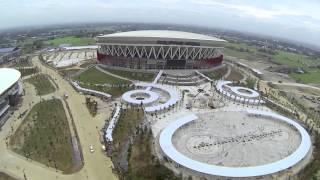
{"points": [[293, 59], [309, 77], [244, 51], [44, 136], [132, 75], [42, 84], [94, 76], [74, 41]]}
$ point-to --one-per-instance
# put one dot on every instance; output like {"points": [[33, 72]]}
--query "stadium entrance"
{"points": [[175, 64]]}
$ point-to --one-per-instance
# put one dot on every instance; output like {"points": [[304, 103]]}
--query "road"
{"points": [[97, 166]]}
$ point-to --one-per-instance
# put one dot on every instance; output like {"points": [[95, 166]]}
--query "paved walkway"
{"points": [[96, 165]]}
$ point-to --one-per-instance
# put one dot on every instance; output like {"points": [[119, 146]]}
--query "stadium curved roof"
{"points": [[8, 77], [159, 35]]}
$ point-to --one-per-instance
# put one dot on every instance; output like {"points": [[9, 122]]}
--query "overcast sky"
{"points": [[292, 19]]}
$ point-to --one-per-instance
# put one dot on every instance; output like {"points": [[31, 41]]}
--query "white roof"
{"points": [[174, 96], [289, 161], [8, 77], [112, 124], [81, 47], [128, 96], [161, 35]]}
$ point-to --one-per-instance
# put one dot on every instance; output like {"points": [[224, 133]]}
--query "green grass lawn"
{"points": [[309, 77], [94, 76], [293, 59], [44, 136], [74, 41], [42, 84], [133, 75], [113, 91]]}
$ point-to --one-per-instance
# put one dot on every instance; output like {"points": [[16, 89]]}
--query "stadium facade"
{"points": [[10, 90], [160, 49]]}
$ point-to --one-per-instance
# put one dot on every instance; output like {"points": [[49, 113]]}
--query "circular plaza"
{"points": [[238, 93], [235, 144], [244, 92], [154, 97], [140, 96]]}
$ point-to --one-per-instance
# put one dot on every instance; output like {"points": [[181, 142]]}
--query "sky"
{"points": [[291, 19]]}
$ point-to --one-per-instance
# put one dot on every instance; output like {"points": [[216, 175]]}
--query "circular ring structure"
{"points": [[140, 96], [243, 97], [245, 92], [169, 150]]}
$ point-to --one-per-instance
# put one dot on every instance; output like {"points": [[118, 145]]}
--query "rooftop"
{"points": [[7, 50], [8, 77], [161, 35]]}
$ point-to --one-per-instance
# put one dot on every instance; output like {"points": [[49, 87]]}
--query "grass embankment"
{"points": [[141, 76], [4, 176], [218, 73], [143, 165], [42, 84], [44, 136], [27, 71], [68, 72], [312, 169], [234, 75], [74, 41], [127, 124], [95, 79], [124, 130]]}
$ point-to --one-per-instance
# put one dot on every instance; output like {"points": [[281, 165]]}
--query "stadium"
{"points": [[160, 49], [9, 90]]}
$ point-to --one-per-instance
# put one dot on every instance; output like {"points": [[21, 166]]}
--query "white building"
{"points": [[10, 89]]}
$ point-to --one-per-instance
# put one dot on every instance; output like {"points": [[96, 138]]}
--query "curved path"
{"points": [[96, 165]]}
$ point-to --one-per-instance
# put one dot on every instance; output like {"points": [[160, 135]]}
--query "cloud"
{"points": [[295, 19], [249, 10]]}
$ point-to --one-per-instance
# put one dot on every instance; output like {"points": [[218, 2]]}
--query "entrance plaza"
{"points": [[238, 138], [235, 144]]}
